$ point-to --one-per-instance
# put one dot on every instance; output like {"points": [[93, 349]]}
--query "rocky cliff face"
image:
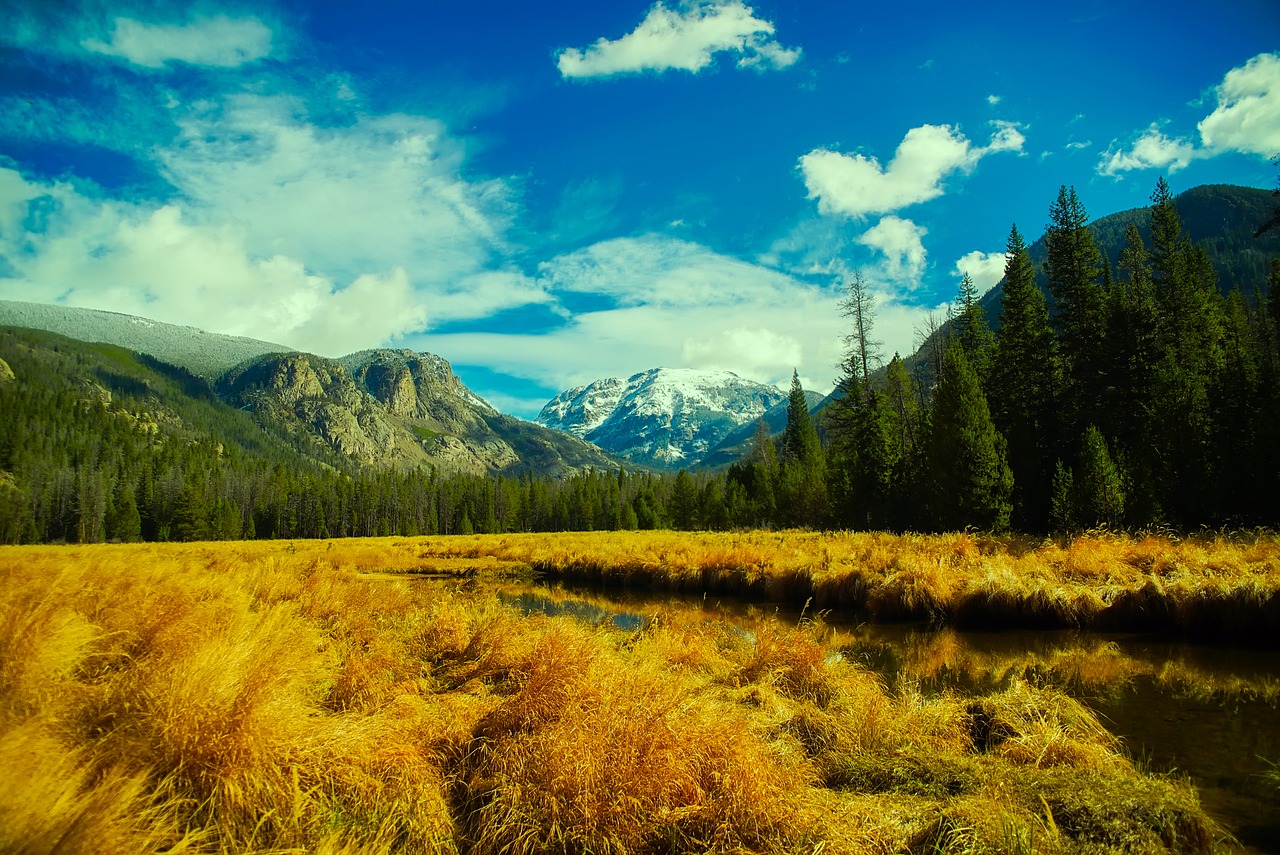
{"points": [[395, 408], [664, 417]]}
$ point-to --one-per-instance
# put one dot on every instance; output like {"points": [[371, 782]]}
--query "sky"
{"points": [[548, 193]]}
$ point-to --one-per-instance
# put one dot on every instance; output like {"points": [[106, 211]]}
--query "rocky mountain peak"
{"points": [[665, 417]]}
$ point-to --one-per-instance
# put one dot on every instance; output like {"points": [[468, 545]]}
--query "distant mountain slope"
{"points": [[204, 354], [401, 409], [664, 417], [381, 408]]}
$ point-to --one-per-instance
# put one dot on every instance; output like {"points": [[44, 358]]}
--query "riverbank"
{"points": [[265, 697], [1212, 588]]}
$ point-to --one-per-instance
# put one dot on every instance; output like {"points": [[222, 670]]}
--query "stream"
{"points": [[1210, 713]]}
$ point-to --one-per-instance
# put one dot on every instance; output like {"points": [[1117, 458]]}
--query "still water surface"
{"points": [[1208, 712]]}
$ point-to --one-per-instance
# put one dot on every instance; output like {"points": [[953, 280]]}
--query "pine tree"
{"points": [[969, 482], [802, 470], [973, 331], [1180, 423], [1100, 493], [1073, 265], [684, 502], [1025, 376]]}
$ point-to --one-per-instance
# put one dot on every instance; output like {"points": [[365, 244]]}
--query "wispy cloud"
{"points": [[857, 185], [684, 38], [324, 238], [217, 41], [1246, 120], [673, 303]]}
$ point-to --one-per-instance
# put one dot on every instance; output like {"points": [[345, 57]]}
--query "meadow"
{"points": [[298, 696]]}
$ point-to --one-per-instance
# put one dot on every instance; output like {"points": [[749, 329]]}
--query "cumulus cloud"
{"points": [[684, 38], [857, 185], [1152, 150], [901, 243], [986, 269], [1246, 120], [153, 262], [660, 271], [217, 41]]}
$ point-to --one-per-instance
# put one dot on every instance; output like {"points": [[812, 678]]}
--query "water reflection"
{"points": [[1206, 712]]}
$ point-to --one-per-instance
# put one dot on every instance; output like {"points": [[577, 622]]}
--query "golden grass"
{"points": [[1215, 586], [269, 697]]}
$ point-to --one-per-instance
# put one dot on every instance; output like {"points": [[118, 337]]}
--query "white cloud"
{"points": [[1079, 144], [901, 243], [685, 38], [325, 239], [993, 100], [1152, 150], [679, 304], [156, 264], [382, 190], [751, 353], [658, 271], [856, 185], [217, 41], [1247, 118], [986, 269]]}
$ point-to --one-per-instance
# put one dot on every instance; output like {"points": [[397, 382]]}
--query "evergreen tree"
{"points": [[802, 475], [1025, 378], [125, 523], [973, 331], [684, 502], [1100, 493], [1180, 422], [1062, 511], [1072, 266], [969, 482]]}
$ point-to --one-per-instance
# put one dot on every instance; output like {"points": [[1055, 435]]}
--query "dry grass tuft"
{"points": [[259, 697]]}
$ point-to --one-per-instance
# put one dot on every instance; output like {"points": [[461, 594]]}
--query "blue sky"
{"points": [[549, 193]]}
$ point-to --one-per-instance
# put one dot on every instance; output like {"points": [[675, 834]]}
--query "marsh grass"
{"points": [[1213, 587], [239, 698]]}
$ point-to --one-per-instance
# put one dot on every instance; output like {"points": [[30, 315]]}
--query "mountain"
{"points": [[665, 417], [204, 354], [380, 408]]}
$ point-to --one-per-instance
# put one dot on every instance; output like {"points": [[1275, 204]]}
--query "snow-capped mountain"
{"points": [[665, 417]]}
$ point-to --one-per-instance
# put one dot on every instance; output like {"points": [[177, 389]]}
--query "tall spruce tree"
{"points": [[971, 328], [1100, 493], [803, 493], [1180, 423], [1025, 379], [1072, 266], [968, 477]]}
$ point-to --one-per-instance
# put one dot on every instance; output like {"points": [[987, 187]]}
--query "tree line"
{"points": [[1130, 397]]}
